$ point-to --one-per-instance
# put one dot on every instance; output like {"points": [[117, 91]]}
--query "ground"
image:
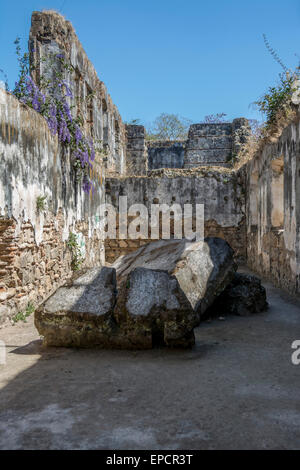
{"points": [[237, 389]]}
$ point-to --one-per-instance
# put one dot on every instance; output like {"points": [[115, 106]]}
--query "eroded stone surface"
{"points": [[80, 315], [153, 303], [202, 269], [163, 289]]}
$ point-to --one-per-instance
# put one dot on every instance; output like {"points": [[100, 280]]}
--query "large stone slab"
{"points": [[165, 287], [155, 310], [80, 315], [202, 269], [157, 298]]}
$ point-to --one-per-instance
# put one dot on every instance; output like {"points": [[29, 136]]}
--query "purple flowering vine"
{"points": [[51, 100]]}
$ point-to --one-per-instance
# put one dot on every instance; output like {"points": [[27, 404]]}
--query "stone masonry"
{"points": [[34, 257], [256, 208]]}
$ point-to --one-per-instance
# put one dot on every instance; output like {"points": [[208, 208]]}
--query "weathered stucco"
{"points": [[51, 34], [34, 259], [273, 209], [222, 194]]}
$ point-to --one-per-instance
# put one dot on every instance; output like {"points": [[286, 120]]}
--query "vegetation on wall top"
{"points": [[278, 99]]}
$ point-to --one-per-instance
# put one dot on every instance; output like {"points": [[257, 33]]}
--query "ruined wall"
{"points": [[137, 163], [256, 209], [165, 154], [215, 144], [221, 192], [273, 209], [207, 144], [34, 257], [50, 36]]}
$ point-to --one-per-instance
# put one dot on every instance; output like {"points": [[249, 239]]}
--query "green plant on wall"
{"points": [[22, 316], [278, 98], [41, 203], [74, 247]]}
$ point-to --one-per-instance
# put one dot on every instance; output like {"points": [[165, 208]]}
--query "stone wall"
{"points": [[221, 192], [207, 144], [215, 144], [137, 163], [273, 209], [256, 209], [51, 36], [165, 154], [34, 257]]}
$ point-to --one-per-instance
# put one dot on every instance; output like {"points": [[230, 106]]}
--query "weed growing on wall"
{"points": [[74, 247], [278, 98], [22, 316], [41, 203]]}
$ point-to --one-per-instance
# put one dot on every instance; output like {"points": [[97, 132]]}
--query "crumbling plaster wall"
{"points": [[221, 192], [273, 209], [52, 35], [34, 257]]}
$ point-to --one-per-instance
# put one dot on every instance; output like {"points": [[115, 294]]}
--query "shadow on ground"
{"points": [[237, 389]]}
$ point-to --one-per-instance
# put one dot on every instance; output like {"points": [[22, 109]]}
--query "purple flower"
{"points": [[68, 91], [87, 185], [67, 111], [67, 87], [63, 131], [52, 110], [36, 103], [52, 124], [85, 158], [59, 119], [78, 135], [52, 120], [91, 149]]}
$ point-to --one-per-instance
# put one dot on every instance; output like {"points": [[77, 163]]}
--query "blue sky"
{"points": [[190, 57]]}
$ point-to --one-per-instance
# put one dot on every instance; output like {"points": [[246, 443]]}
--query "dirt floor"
{"points": [[237, 389]]}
